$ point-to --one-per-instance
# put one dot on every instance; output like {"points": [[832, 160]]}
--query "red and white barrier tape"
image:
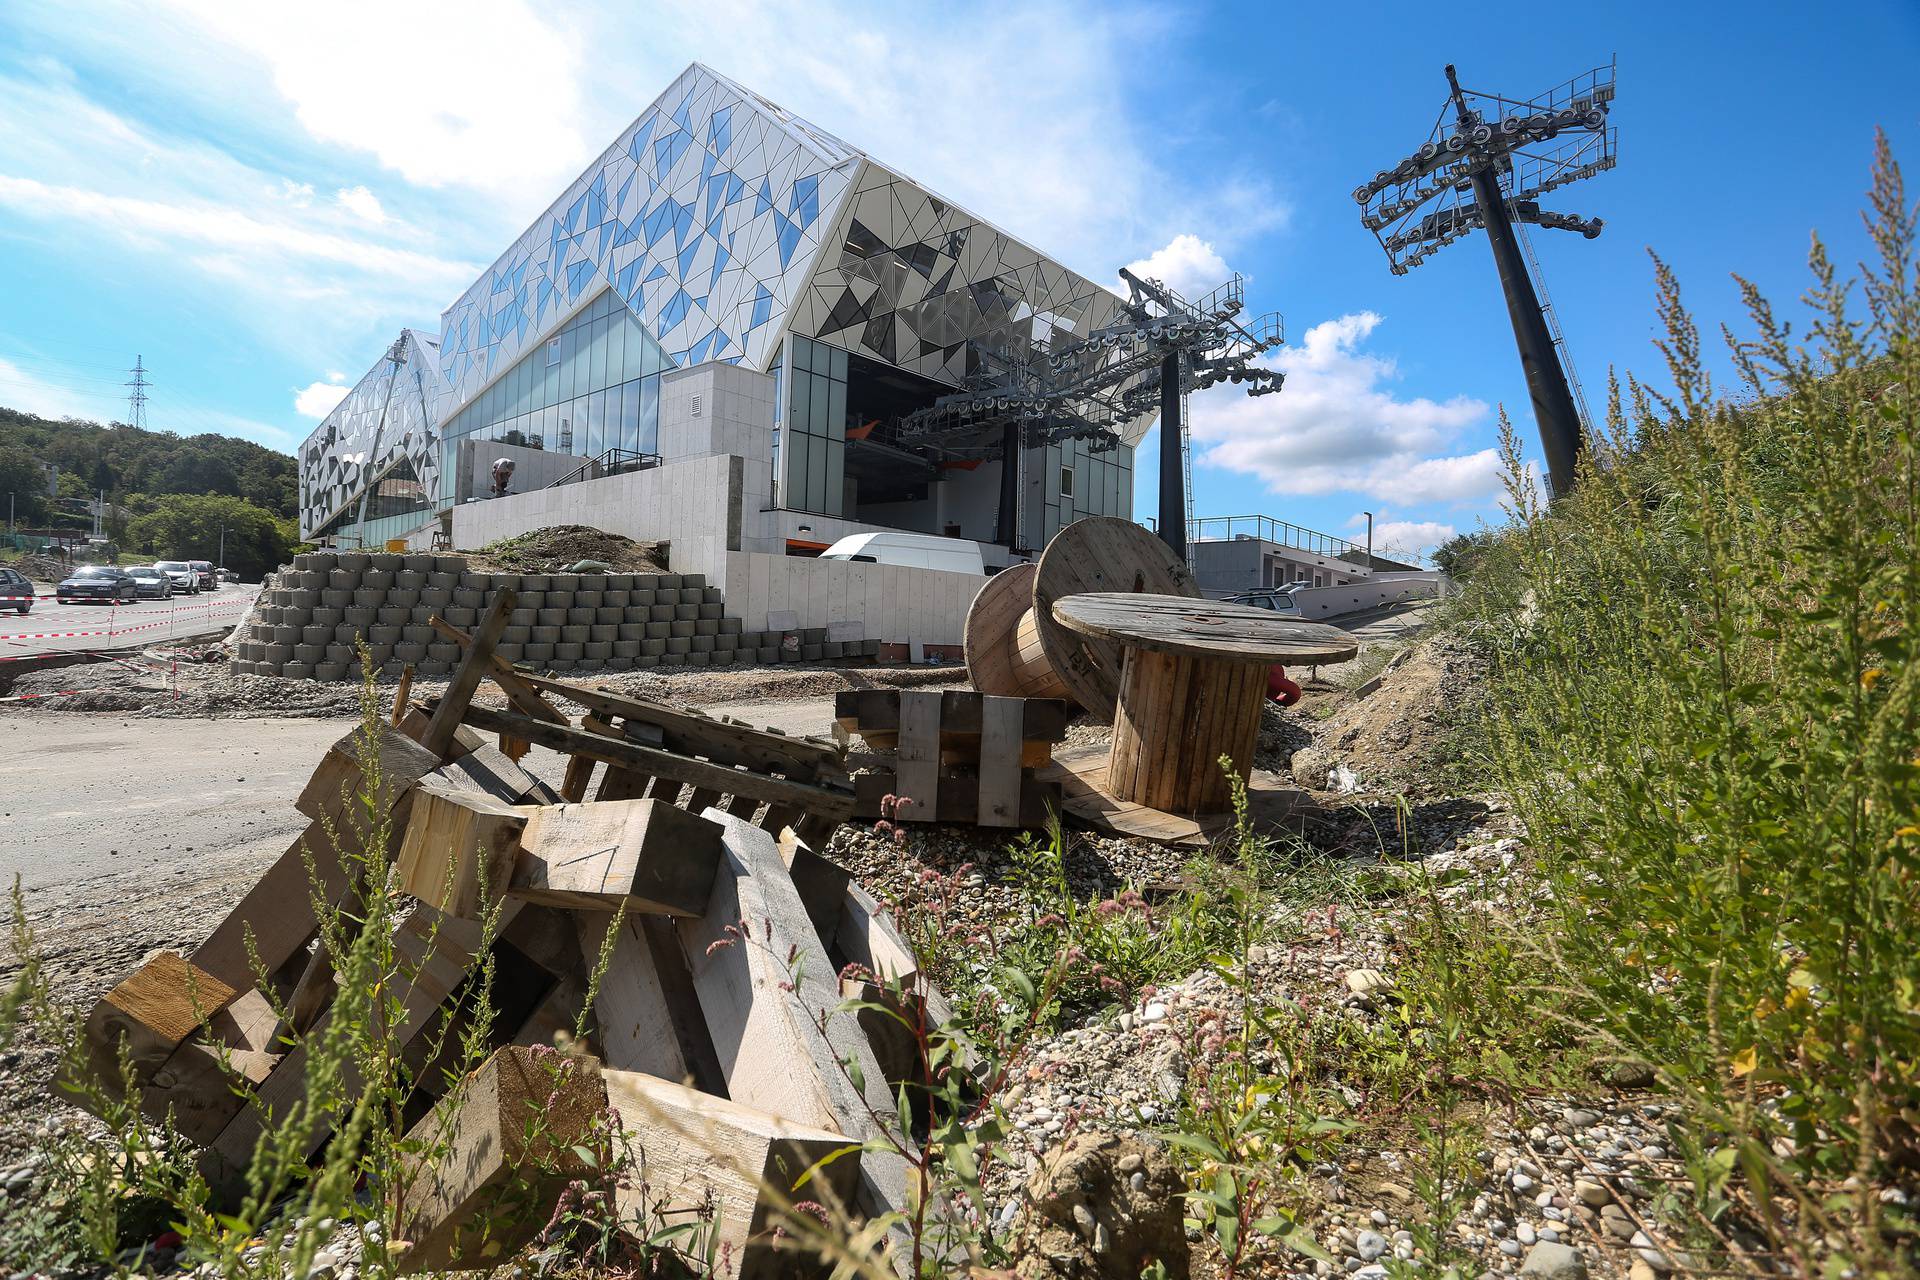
{"points": [[29, 697]]}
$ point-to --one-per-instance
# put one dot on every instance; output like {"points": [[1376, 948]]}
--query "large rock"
{"points": [[1550, 1260], [1102, 1206]]}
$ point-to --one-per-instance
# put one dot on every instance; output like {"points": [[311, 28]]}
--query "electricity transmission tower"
{"points": [[137, 398]]}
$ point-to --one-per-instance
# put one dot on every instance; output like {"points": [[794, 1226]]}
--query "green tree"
{"points": [[187, 527], [21, 477]]}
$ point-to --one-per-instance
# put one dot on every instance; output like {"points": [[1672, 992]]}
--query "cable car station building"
{"points": [[712, 338]]}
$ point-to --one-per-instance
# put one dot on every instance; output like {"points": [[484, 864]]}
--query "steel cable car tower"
{"points": [[1159, 350], [1487, 168]]}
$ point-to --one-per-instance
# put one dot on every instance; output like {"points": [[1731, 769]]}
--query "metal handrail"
{"points": [[1281, 532], [613, 462]]}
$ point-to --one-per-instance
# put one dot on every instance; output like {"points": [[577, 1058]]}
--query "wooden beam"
{"points": [[665, 764], [474, 665], [524, 697], [402, 692], [497, 1153], [491, 772], [999, 804], [630, 1008], [333, 793], [918, 769], [702, 1154], [820, 881], [277, 912], [774, 1023], [435, 953], [690, 732], [866, 711], [641, 854], [159, 1005], [459, 849], [200, 1084]]}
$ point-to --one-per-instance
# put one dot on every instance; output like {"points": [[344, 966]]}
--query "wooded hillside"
{"points": [[125, 461]]}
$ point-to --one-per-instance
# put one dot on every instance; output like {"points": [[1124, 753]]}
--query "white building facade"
{"points": [[728, 314]]}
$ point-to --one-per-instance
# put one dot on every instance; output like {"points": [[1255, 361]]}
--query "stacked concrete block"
{"points": [[313, 616]]}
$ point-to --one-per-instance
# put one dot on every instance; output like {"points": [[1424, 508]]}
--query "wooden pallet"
{"points": [[959, 756], [753, 1027]]}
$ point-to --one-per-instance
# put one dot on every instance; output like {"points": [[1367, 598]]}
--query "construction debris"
{"points": [[713, 1036]]}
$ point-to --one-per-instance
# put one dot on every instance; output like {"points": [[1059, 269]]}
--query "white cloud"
{"points": [[361, 203], [317, 399], [1187, 264], [480, 93], [1337, 426], [1408, 539], [55, 397]]}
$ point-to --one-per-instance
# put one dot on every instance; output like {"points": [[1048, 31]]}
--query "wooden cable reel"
{"points": [[1015, 648]]}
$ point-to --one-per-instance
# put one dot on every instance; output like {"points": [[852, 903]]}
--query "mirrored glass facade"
{"points": [[594, 385], [814, 439]]}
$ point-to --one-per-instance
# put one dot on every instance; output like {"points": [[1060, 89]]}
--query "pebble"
{"points": [[1369, 1245], [1524, 1233], [1155, 1012], [1590, 1193]]}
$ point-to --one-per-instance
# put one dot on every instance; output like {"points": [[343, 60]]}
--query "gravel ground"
{"points": [[1575, 1172]]}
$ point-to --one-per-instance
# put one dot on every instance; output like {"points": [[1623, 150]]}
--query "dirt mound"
{"points": [[553, 549], [1409, 733]]}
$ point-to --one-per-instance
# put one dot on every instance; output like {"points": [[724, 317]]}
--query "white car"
{"points": [[186, 579], [916, 550]]}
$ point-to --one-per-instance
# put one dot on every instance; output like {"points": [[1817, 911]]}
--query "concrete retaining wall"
{"points": [[693, 504], [890, 602], [1353, 597], [310, 617]]}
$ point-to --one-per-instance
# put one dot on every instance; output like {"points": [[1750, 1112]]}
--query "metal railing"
{"points": [[613, 462], [1267, 529]]}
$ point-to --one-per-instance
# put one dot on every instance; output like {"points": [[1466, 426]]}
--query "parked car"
{"points": [[97, 582], [185, 580], [16, 591], [1278, 599], [917, 550], [153, 582], [209, 580], [227, 575]]}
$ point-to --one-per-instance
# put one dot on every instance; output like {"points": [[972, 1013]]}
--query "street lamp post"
{"points": [[221, 563], [1369, 516]]}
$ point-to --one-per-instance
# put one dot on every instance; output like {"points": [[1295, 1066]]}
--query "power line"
{"points": [[137, 398]]}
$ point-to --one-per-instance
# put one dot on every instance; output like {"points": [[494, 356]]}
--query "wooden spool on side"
{"points": [[1005, 655], [1099, 554]]}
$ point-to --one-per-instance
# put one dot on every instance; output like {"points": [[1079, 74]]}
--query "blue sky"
{"points": [[256, 197]]}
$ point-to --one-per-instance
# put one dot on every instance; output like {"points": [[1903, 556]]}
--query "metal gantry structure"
{"points": [[1485, 165], [1163, 349]]}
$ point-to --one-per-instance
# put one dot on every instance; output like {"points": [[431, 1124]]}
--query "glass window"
{"points": [[801, 384], [628, 418], [650, 414], [617, 352], [563, 388], [839, 363], [597, 356], [603, 426], [817, 406], [817, 478], [836, 478], [836, 410]]}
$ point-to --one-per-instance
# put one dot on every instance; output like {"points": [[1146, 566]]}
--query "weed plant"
{"points": [[1704, 708]]}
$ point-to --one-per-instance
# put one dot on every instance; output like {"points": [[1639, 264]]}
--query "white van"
{"points": [[914, 550]]}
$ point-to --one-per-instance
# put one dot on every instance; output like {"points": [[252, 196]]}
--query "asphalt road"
{"points": [[65, 628], [88, 796]]}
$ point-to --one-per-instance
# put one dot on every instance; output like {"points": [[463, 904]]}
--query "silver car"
{"points": [[185, 580]]}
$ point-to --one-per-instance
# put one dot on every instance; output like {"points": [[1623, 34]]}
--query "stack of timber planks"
{"points": [[713, 1034], [959, 756]]}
